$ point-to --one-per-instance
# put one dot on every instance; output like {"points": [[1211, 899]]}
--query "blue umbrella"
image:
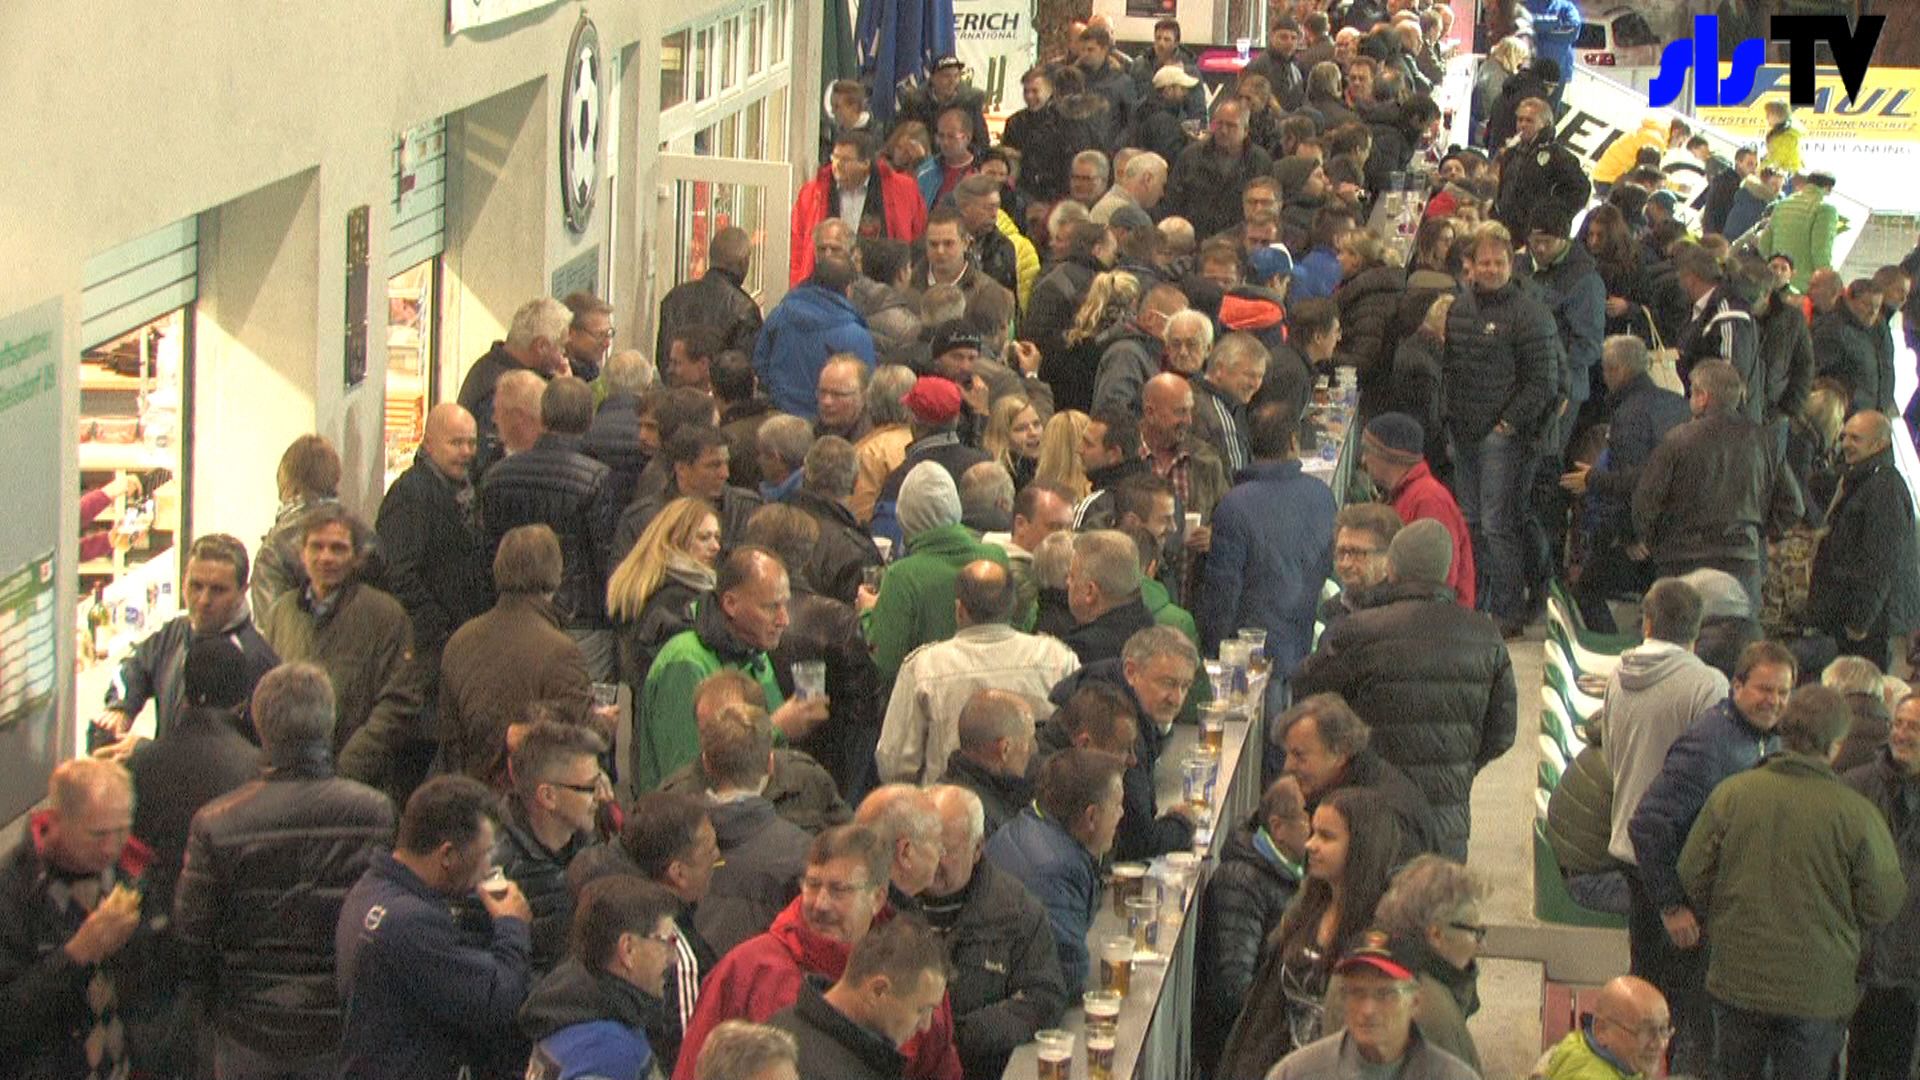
{"points": [[897, 41]]}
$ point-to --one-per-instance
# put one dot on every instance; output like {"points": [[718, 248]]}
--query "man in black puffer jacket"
{"points": [[553, 484], [1502, 367], [1432, 679], [266, 870], [1261, 868], [557, 789]]}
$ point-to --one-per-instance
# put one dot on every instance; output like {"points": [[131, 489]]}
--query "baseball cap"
{"points": [[948, 61], [953, 334], [933, 400], [1130, 217], [1374, 955]]}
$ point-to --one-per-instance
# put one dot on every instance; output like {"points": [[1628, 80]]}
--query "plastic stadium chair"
{"points": [[1584, 661], [1617, 642], [1551, 901]]}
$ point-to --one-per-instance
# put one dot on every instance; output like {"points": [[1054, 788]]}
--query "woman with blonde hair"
{"points": [[1113, 299], [1059, 460], [652, 593], [1013, 437]]}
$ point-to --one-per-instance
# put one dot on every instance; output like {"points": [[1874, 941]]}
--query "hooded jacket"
{"points": [[1419, 497], [891, 318], [1129, 357], [1844, 349], [808, 326], [763, 857], [1252, 309], [1655, 693], [1802, 228], [1746, 206], [1434, 682], [763, 975], [1245, 896], [666, 737], [587, 1025]]}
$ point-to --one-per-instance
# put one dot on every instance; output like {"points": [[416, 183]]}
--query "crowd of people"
{"points": [[775, 705]]}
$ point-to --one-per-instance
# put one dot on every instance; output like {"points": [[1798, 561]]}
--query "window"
{"points": [[778, 32], [753, 142], [729, 54], [673, 69], [1592, 36], [1631, 30], [703, 63], [756, 41]]}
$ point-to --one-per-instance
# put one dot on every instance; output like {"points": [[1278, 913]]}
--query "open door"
{"points": [[700, 195]]}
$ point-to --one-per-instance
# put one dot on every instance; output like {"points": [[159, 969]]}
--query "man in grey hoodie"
{"points": [[1658, 689]]}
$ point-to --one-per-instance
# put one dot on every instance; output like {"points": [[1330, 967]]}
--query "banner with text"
{"points": [[32, 622], [996, 40]]}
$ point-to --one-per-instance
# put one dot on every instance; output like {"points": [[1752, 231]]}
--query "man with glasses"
{"points": [[589, 335], [1625, 1037], [551, 812], [1220, 163], [1088, 177], [1361, 533], [843, 894], [587, 1018], [1380, 1038]]}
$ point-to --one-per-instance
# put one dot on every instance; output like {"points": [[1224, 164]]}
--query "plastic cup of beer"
{"points": [[1102, 1010], [1220, 680], [1116, 964], [1193, 522], [1213, 725], [1258, 663], [1196, 779], [1100, 1055], [1142, 913], [1056, 1054], [809, 679], [1129, 878], [1185, 865], [885, 547]]}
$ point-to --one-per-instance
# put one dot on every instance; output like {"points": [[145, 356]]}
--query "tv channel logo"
{"points": [[1852, 50]]}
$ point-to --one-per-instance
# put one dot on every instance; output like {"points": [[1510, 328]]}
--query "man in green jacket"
{"points": [[1790, 866], [916, 595], [742, 624], [1803, 227]]}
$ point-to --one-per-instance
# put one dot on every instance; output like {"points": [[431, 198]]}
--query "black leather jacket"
{"points": [[1713, 489], [267, 869], [551, 483]]}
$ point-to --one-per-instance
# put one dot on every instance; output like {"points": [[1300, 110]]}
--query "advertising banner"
{"points": [[996, 40]]}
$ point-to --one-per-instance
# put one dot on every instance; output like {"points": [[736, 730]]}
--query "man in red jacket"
{"points": [[864, 192], [843, 893], [1391, 452]]}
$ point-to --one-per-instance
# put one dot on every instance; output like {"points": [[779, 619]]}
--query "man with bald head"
{"points": [[1183, 459], [997, 743], [922, 726], [1866, 584], [437, 562], [1625, 1038], [903, 817], [73, 943], [1006, 983], [718, 299]]}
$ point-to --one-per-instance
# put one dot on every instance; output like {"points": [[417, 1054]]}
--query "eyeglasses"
{"points": [[1645, 1032], [1355, 552], [1478, 930], [839, 890], [594, 788]]}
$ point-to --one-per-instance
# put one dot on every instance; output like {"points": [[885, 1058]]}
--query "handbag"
{"points": [[1664, 367]]}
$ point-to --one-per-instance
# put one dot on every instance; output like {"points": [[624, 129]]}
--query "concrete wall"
{"points": [[272, 122]]}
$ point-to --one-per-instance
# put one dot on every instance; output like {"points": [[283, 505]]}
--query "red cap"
{"points": [[933, 400], [1376, 957]]}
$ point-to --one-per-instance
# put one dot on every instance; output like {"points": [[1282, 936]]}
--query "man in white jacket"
{"points": [[922, 725]]}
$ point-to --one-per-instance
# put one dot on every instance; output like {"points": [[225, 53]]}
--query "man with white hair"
{"points": [[536, 342], [1143, 180], [904, 819], [1006, 983], [1236, 367], [516, 419], [613, 439]]}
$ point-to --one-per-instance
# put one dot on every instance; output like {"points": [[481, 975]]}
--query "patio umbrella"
{"points": [[897, 40]]}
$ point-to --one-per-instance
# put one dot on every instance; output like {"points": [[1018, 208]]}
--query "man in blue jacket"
{"points": [[1272, 548], [1055, 846], [421, 1001], [1663, 931], [816, 321]]}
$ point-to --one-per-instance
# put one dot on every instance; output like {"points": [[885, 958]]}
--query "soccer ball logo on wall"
{"points": [[580, 126]]}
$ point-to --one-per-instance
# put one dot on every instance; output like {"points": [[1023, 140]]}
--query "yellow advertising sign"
{"points": [[1887, 109]]}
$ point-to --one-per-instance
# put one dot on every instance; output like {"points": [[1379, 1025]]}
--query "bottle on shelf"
{"points": [[100, 622]]}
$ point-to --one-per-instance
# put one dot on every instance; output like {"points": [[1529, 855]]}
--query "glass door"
{"points": [[700, 195]]}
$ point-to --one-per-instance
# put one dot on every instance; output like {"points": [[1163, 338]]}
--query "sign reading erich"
{"points": [[468, 14]]}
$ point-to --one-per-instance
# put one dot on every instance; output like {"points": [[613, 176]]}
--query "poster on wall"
{"points": [[31, 354], [995, 39], [468, 14]]}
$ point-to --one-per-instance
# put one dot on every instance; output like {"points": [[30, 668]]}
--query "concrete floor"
{"points": [[1507, 1027]]}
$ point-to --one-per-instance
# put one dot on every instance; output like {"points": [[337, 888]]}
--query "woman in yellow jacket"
{"points": [[1619, 159]]}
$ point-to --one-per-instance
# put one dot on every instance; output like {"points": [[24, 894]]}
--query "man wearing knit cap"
{"points": [[202, 757], [1391, 452], [1432, 679], [934, 404], [917, 594]]}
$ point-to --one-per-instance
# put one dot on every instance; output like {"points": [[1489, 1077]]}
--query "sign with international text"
{"points": [[469, 14], [996, 40]]}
